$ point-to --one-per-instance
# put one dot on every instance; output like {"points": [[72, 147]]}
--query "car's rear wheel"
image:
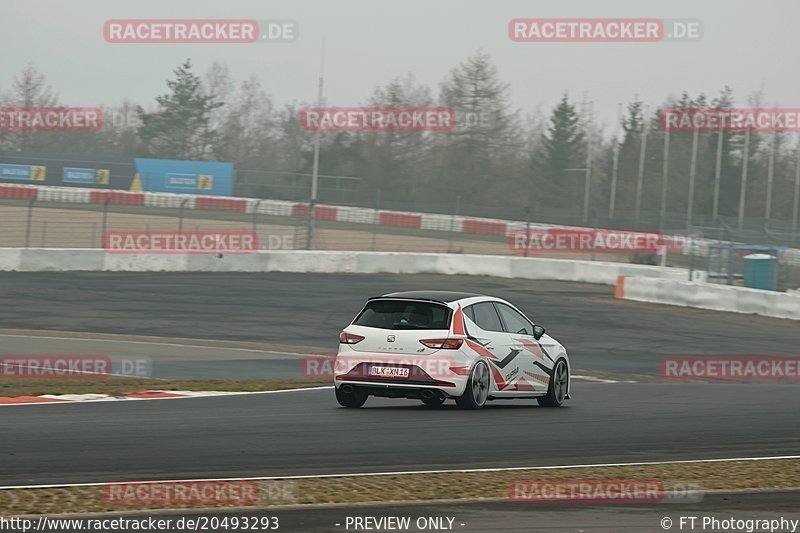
{"points": [[355, 398], [557, 391], [477, 391], [436, 401]]}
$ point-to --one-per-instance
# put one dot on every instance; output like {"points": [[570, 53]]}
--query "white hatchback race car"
{"points": [[439, 345]]}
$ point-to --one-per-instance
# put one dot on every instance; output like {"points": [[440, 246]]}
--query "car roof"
{"points": [[435, 296]]}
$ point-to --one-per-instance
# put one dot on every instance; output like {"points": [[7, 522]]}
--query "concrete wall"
{"points": [[710, 296], [634, 282], [48, 259]]}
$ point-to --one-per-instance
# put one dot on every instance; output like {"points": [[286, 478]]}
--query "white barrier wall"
{"points": [[634, 282], [47, 259], [710, 296]]}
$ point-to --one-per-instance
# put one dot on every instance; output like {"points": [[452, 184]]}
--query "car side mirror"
{"points": [[538, 331]]}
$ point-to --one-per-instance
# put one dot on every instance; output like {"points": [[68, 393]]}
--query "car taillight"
{"points": [[443, 344], [349, 338]]}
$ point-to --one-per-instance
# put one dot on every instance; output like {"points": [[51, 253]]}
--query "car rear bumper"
{"points": [[407, 390], [410, 386]]}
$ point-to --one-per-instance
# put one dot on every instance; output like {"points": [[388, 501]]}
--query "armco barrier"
{"points": [[19, 192], [116, 198], [212, 203], [710, 296], [90, 259]]}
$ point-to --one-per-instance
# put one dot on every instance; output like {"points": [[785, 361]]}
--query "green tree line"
{"points": [[498, 161]]}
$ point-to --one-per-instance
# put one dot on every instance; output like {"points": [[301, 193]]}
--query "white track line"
{"points": [[122, 341], [593, 379], [372, 474]]}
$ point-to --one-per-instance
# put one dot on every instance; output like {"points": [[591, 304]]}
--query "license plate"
{"points": [[388, 371]]}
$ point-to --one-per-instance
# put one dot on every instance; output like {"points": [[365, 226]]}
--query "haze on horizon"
{"points": [[744, 46]]}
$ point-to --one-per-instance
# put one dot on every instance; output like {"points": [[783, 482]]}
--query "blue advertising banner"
{"points": [[22, 172], [79, 175], [190, 177], [59, 170], [181, 182]]}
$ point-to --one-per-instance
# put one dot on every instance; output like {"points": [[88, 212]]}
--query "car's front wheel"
{"points": [[353, 398], [477, 391], [557, 391]]}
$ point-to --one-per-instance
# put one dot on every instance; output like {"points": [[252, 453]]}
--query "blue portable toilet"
{"points": [[761, 271]]}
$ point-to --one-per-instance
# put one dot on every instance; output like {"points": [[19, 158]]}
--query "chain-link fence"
{"points": [[47, 224]]}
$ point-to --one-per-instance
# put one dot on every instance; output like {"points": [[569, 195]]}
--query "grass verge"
{"points": [[728, 475]]}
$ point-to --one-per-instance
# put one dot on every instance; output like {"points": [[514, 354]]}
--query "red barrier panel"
{"points": [[484, 227], [321, 212], [220, 204], [116, 198], [300, 210], [402, 220], [18, 193]]}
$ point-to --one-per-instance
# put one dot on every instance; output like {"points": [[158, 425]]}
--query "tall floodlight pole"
{"points": [[717, 176], [692, 175], [664, 179], [588, 185], [615, 169], [743, 190], [315, 168], [770, 176], [795, 211], [642, 153]]}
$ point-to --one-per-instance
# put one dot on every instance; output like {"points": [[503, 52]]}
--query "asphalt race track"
{"points": [[305, 432], [297, 311]]}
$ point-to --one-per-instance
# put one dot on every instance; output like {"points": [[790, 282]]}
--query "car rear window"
{"points": [[404, 314]]}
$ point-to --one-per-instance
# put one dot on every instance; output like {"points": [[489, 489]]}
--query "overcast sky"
{"points": [[748, 45]]}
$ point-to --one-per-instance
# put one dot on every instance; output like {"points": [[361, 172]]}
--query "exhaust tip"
{"points": [[347, 389], [428, 394]]}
